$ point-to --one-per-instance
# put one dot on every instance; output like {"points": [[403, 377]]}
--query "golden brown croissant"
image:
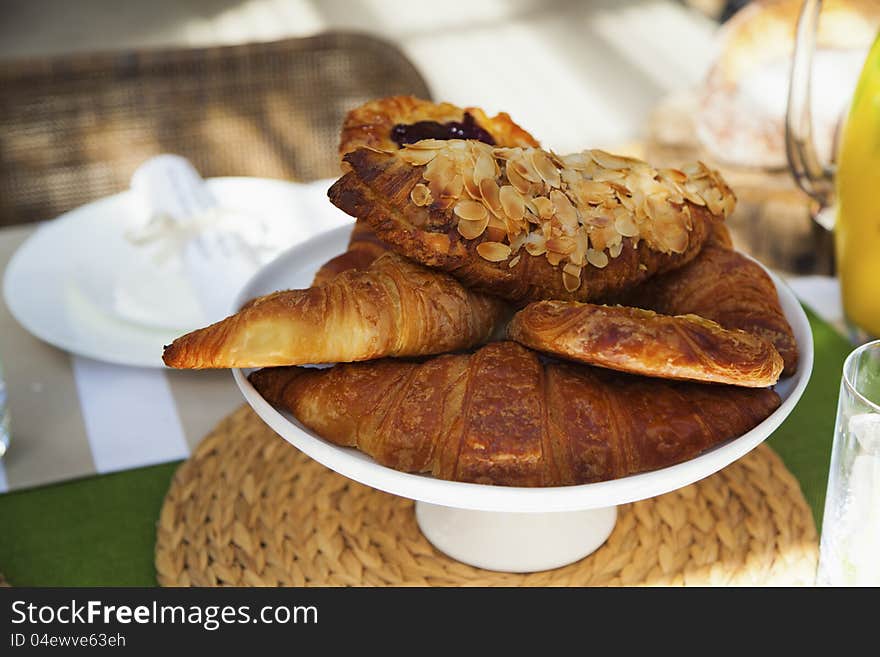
{"points": [[725, 287], [685, 347], [720, 236], [394, 308], [363, 249], [389, 122], [525, 224], [500, 416]]}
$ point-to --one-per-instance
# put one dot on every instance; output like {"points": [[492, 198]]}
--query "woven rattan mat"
{"points": [[74, 128], [247, 508]]}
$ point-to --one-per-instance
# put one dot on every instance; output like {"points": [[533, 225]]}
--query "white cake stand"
{"points": [[500, 527]]}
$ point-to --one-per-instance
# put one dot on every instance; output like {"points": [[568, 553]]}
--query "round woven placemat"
{"points": [[249, 509]]}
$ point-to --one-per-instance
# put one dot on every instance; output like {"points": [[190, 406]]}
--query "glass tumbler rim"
{"points": [[847, 371]]}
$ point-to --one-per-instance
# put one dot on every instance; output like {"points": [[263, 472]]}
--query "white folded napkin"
{"points": [[196, 256]]}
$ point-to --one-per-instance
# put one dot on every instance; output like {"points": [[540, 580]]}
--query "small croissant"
{"points": [[501, 416], [393, 308], [724, 286], [363, 249], [386, 123], [684, 347]]}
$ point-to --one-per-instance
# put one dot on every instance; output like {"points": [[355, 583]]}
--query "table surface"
{"points": [[573, 75]]}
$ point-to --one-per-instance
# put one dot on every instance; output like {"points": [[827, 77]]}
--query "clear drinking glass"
{"points": [[850, 547]]}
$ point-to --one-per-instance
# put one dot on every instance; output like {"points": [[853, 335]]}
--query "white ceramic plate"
{"points": [[296, 267], [59, 284]]}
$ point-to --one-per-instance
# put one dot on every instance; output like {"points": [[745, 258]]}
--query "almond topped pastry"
{"points": [[390, 123], [526, 224], [395, 307]]}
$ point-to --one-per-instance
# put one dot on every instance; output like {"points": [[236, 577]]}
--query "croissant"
{"points": [[524, 224], [388, 123], [720, 236], [394, 308], [639, 341], [500, 416], [726, 287], [363, 249]]}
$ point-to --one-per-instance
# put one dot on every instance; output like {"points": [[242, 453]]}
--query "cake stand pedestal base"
{"points": [[515, 542]]}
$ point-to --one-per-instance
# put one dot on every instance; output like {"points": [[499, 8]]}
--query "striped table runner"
{"points": [[75, 417]]}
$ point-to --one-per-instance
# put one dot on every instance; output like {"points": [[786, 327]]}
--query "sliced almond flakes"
{"points": [[493, 251], [574, 209]]}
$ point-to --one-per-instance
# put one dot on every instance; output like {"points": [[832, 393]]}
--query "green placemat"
{"points": [[102, 530], [804, 439], [98, 531]]}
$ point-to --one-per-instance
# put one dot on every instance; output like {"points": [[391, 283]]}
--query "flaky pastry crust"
{"points": [[686, 347], [363, 250], [500, 416], [394, 308], [724, 286], [526, 225], [371, 125]]}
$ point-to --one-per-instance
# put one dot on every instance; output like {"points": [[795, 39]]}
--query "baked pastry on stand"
{"points": [[510, 527], [500, 416], [525, 224], [393, 308], [684, 347], [531, 428], [389, 123], [726, 287]]}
